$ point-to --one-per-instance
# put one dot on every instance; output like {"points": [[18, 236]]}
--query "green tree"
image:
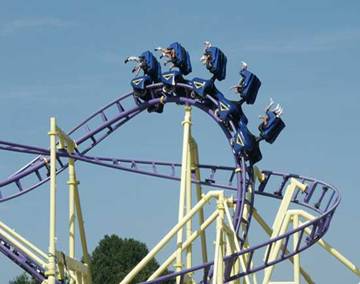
{"points": [[114, 258], [24, 278]]}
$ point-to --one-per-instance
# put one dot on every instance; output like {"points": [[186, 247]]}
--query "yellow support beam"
{"points": [[189, 241], [27, 247], [241, 261], [275, 249], [196, 170], [293, 216], [78, 274], [82, 234], [285, 203], [5, 229], [51, 269], [325, 245], [269, 231], [65, 141], [72, 185], [206, 198], [183, 184], [281, 222], [71, 263], [219, 243], [340, 257], [188, 208], [296, 257], [260, 176]]}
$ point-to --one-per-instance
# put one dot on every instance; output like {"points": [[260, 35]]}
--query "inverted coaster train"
{"points": [[234, 258]]}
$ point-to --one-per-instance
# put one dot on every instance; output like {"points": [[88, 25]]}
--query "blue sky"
{"points": [[65, 59]]}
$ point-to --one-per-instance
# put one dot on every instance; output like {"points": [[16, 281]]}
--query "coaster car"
{"points": [[248, 86], [179, 58], [272, 124], [215, 61], [151, 68], [203, 87], [230, 110], [205, 91], [246, 144]]}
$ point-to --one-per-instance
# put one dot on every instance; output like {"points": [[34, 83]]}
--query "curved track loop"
{"points": [[104, 123], [319, 196]]}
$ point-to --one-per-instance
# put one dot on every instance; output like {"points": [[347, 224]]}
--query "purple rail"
{"points": [[319, 196], [322, 201], [20, 258], [105, 124], [166, 170]]}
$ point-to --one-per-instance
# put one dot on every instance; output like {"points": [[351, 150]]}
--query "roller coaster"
{"points": [[233, 258]]}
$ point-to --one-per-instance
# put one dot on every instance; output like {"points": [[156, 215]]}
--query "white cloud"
{"points": [[31, 24]]}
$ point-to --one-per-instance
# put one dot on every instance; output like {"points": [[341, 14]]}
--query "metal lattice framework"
{"points": [[308, 193]]}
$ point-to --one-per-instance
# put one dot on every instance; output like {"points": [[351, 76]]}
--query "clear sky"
{"points": [[65, 59]]}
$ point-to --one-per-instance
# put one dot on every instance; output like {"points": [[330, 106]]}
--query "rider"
{"points": [[179, 58], [151, 68]]}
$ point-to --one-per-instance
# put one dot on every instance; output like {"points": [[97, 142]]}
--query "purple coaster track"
{"points": [[319, 196], [106, 125], [21, 259]]}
